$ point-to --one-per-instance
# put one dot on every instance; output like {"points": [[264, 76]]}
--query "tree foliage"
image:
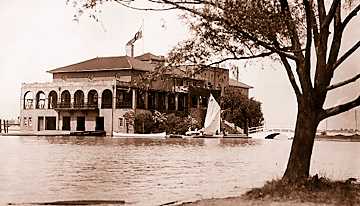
{"points": [[241, 111], [172, 123]]}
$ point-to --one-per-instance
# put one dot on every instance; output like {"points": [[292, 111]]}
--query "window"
{"points": [[121, 122], [30, 121], [25, 122]]}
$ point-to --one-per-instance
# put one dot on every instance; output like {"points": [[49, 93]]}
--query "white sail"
{"points": [[212, 119]]}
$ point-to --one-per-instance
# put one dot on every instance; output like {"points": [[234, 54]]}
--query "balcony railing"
{"points": [[123, 105], [76, 106]]}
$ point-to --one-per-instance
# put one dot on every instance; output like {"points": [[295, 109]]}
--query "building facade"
{"points": [[100, 93]]}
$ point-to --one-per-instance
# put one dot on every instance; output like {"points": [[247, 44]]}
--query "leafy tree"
{"points": [[143, 123], [180, 124], [240, 110], [286, 31]]}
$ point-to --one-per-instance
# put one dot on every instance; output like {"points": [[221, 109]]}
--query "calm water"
{"points": [[148, 172]]}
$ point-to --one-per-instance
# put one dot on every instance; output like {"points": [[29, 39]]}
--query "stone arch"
{"points": [[65, 99], [106, 99], [28, 100], [40, 100], [79, 98], [52, 100], [92, 98]]}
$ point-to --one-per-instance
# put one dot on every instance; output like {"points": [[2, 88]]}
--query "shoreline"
{"points": [[239, 200], [311, 191]]}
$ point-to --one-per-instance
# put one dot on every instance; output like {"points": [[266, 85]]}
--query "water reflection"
{"points": [[150, 172]]}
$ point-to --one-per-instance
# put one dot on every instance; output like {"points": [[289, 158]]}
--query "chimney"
{"points": [[132, 50]]}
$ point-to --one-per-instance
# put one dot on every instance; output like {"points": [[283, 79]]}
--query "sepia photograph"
{"points": [[180, 102]]}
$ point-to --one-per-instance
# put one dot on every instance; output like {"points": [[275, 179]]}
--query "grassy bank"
{"points": [[313, 191]]}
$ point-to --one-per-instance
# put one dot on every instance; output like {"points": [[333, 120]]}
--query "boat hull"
{"points": [[161, 135]]}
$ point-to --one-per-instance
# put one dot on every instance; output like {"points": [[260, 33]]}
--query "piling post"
{"points": [[4, 126], [0, 126], [7, 126]]}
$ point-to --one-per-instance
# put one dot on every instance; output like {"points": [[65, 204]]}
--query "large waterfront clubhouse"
{"points": [[97, 94]]}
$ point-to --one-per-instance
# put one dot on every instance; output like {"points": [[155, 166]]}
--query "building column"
{"points": [[99, 101], [46, 106], [113, 106], [146, 100], [166, 102], [58, 101], [156, 96], [44, 123], [72, 98], [188, 96], [114, 99], [133, 99], [58, 120], [198, 102], [176, 102]]}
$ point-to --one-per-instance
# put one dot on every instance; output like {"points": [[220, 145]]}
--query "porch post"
{"points": [[146, 99], [166, 102], [198, 102], [44, 122], [156, 101], [176, 102], [133, 98]]}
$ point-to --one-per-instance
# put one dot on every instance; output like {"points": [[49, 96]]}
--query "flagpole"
{"points": [[143, 35]]}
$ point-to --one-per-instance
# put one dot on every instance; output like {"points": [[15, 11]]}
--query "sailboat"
{"points": [[211, 127], [212, 119]]}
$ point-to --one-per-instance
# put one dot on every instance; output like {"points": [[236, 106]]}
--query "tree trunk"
{"points": [[300, 156]]}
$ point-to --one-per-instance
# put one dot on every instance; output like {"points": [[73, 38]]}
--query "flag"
{"points": [[137, 36]]}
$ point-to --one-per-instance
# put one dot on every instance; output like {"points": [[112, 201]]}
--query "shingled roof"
{"points": [[149, 56], [106, 64], [234, 83]]}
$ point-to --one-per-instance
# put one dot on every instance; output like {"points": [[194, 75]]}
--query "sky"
{"points": [[40, 35]]}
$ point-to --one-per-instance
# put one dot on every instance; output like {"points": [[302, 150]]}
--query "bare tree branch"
{"points": [[291, 76], [346, 55], [309, 14], [351, 15], [339, 108], [303, 70], [340, 84], [322, 11], [331, 14], [241, 58], [336, 41], [314, 24], [143, 9]]}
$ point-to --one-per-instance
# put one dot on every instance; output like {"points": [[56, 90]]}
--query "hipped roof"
{"points": [[234, 83], [106, 64], [149, 56]]}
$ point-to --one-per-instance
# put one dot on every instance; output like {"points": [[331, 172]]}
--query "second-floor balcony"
{"points": [[66, 106]]}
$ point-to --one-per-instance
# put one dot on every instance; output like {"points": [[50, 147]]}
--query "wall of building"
{"points": [[34, 115], [215, 78], [90, 119], [119, 121], [59, 87], [108, 115], [243, 91], [122, 75]]}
